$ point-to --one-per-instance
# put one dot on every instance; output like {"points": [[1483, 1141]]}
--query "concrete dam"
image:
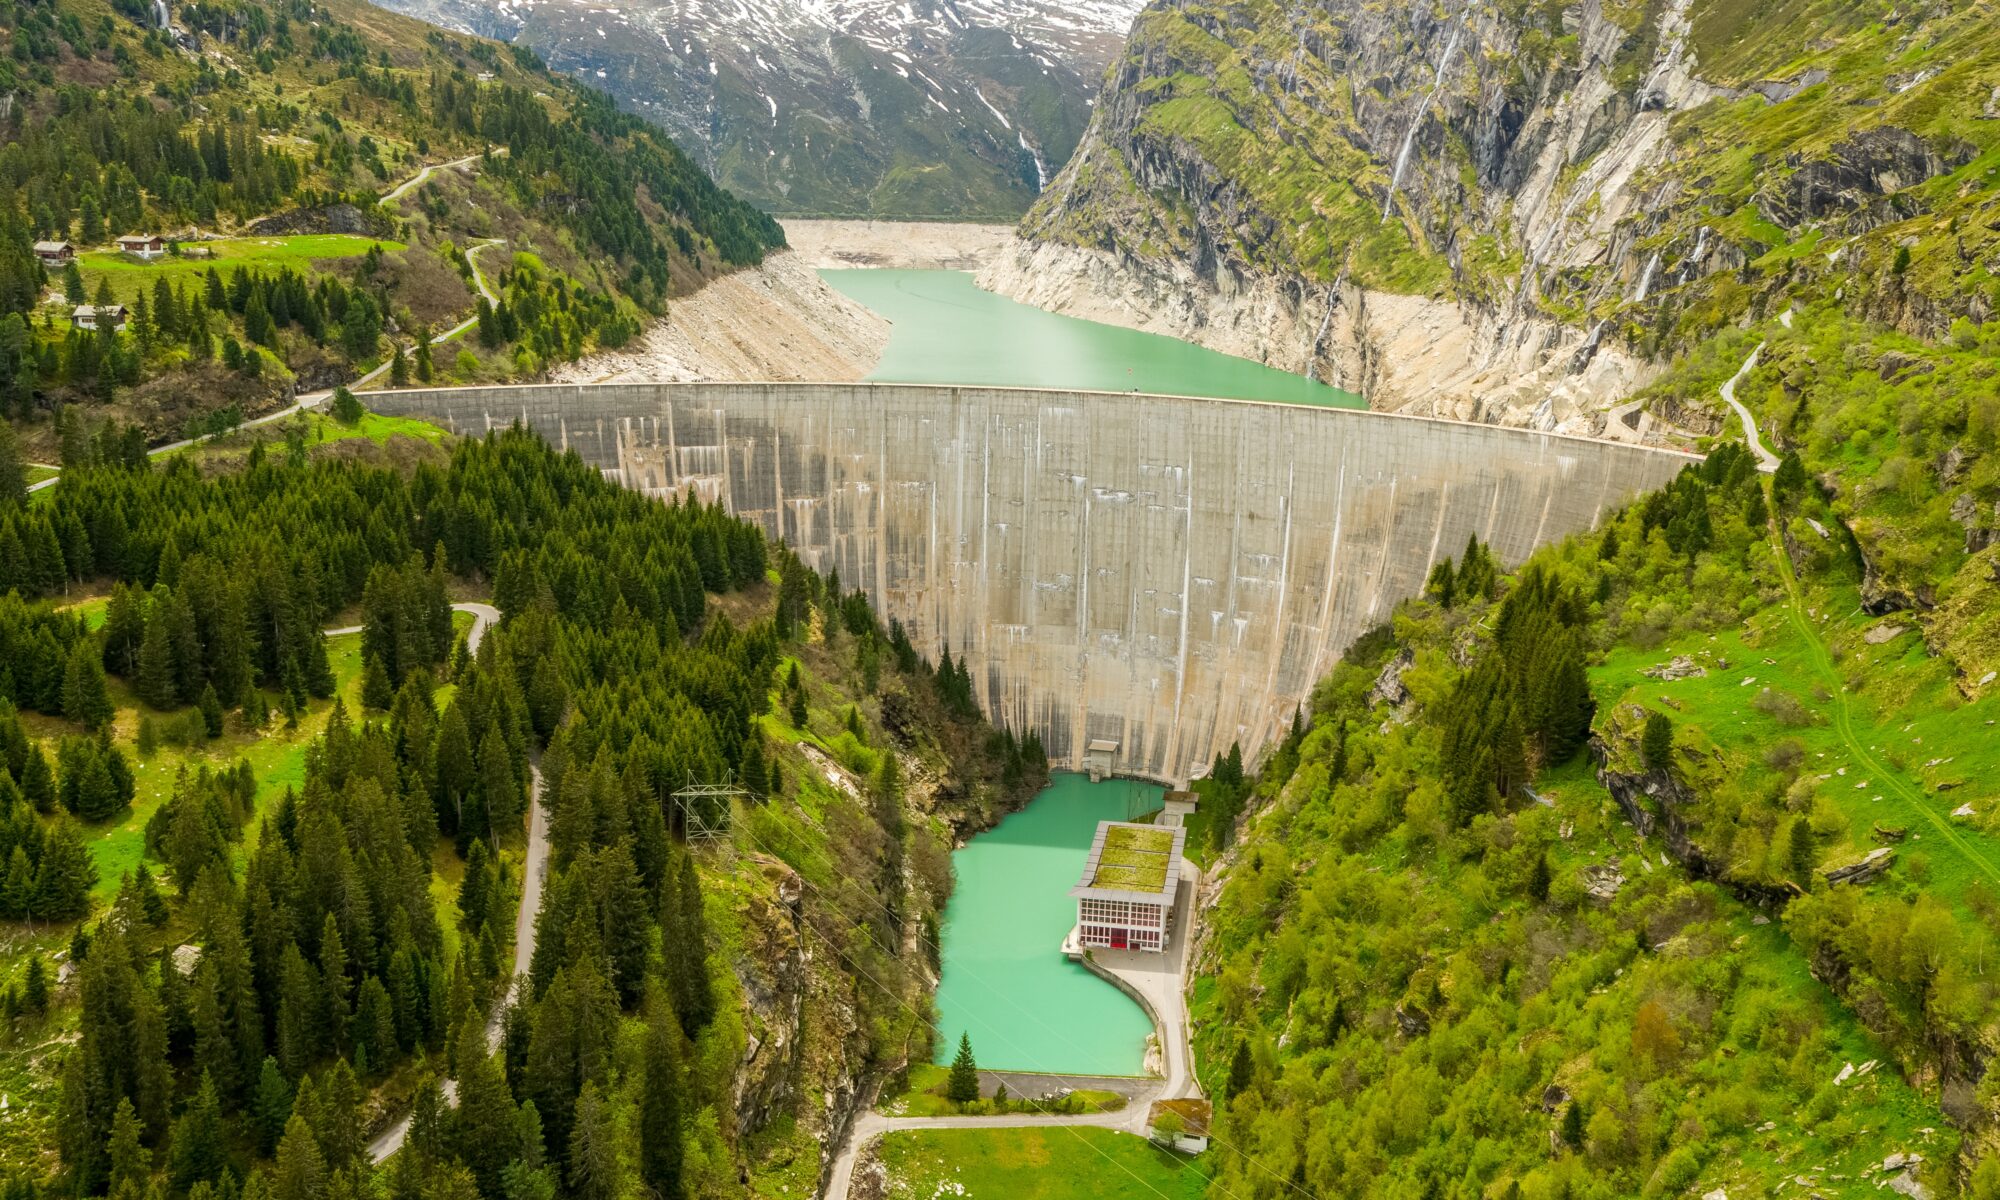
{"points": [[1141, 579]]}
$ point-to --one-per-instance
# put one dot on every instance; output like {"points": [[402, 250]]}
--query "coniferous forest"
{"points": [[287, 977]]}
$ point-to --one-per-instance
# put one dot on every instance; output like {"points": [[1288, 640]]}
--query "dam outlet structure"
{"points": [[1143, 580]]}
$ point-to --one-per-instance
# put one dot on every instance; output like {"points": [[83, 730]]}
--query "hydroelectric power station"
{"points": [[1143, 579]]}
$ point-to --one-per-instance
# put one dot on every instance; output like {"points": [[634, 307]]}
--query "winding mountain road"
{"points": [[390, 1140], [478, 282], [421, 177], [1767, 462]]}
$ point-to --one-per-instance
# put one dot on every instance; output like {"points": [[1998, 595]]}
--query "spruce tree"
{"points": [[346, 408], [85, 700], [210, 705], [962, 1085], [1656, 744], [155, 681], [660, 1149], [684, 947]]}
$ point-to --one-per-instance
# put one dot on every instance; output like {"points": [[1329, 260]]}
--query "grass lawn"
{"points": [[924, 1097], [1059, 1163], [320, 429], [128, 274], [1908, 751]]}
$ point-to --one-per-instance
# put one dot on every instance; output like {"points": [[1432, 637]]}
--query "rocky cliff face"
{"points": [[1511, 211]]}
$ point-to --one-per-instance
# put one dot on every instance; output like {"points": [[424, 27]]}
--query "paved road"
{"points": [[1767, 462], [421, 177], [391, 1139], [484, 616]]}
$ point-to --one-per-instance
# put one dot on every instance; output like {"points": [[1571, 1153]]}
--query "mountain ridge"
{"points": [[954, 109]]}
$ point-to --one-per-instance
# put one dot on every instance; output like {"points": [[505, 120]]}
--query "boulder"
{"points": [[1603, 880], [1682, 667], [1887, 632], [1872, 864], [1389, 687]]}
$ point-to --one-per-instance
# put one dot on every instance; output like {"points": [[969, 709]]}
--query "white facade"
{"points": [[1122, 924], [1125, 900]]}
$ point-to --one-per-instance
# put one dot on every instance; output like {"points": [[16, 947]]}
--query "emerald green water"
{"points": [[947, 330], [1006, 981]]}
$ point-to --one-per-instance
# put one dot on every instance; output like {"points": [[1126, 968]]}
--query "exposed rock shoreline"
{"points": [[778, 322], [1409, 354]]}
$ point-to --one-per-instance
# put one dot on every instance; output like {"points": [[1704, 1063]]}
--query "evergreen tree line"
{"points": [[1524, 706], [550, 317], [592, 170]]}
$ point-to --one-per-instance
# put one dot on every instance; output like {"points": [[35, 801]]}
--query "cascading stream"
{"points": [[1417, 121]]}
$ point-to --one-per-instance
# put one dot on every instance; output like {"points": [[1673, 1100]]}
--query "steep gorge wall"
{"points": [[1165, 573]]}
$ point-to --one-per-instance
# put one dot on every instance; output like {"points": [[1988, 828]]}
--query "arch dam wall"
{"points": [[1165, 574]]}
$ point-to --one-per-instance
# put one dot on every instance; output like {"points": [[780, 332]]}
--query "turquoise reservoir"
{"points": [[1006, 981], [948, 330]]}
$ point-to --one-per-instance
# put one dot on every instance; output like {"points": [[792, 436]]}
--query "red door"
{"points": [[1117, 939]]}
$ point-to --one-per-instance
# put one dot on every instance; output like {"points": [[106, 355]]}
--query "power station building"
{"points": [[1125, 900]]}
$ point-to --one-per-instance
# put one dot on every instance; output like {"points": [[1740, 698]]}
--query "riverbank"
{"points": [[907, 245], [778, 322]]}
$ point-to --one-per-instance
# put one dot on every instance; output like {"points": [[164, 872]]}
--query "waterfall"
{"points": [[1041, 167], [161, 18], [1588, 350], [1417, 121], [1646, 278], [1693, 263], [1319, 339]]}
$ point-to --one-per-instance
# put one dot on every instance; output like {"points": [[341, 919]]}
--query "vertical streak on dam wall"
{"points": [[1168, 574]]}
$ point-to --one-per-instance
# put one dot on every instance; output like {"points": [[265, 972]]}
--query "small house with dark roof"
{"points": [[98, 316], [1188, 1131], [55, 254], [143, 245]]}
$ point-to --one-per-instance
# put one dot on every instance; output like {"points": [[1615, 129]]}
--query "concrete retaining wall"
{"points": [[1167, 573]]}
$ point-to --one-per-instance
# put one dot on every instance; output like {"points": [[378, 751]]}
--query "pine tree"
{"points": [[962, 1085], [1656, 744], [155, 681], [300, 1170], [684, 947], [1239, 1071], [35, 990], [595, 1172], [346, 407], [484, 1127], [130, 1162], [198, 1150], [270, 1106], [210, 705], [660, 1140], [84, 698]]}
